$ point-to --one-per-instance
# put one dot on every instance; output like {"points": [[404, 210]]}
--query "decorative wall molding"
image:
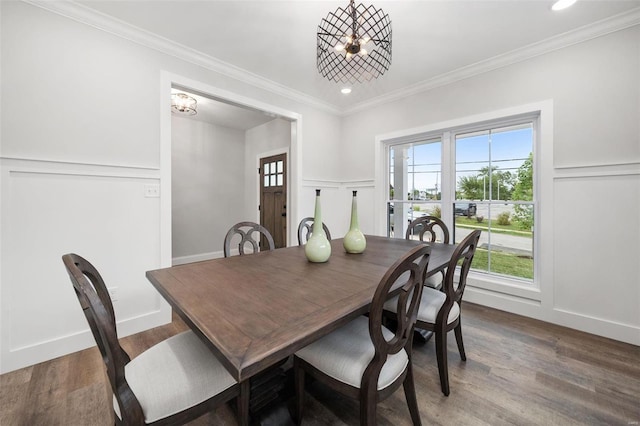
{"points": [[137, 35], [73, 167], [601, 28], [631, 168], [46, 212], [330, 183], [104, 22]]}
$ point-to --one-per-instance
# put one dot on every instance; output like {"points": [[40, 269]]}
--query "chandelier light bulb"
{"points": [[363, 52]]}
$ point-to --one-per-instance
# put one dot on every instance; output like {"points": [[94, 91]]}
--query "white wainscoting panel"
{"points": [[597, 246], [596, 243], [99, 212], [336, 204], [366, 202]]}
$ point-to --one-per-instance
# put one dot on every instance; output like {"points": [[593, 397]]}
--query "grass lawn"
{"points": [[503, 263]]}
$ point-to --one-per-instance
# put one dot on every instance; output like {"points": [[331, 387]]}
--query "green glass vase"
{"points": [[318, 247], [354, 241]]}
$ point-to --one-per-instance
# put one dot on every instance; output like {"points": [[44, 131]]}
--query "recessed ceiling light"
{"points": [[345, 90], [562, 4]]}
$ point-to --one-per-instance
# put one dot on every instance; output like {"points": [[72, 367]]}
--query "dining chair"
{"points": [[171, 383], [430, 229], [304, 230], [439, 310], [246, 230], [363, 359]]}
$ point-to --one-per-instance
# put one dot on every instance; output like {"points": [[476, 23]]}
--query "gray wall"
{"points": [[207, 179], [268, 139]]}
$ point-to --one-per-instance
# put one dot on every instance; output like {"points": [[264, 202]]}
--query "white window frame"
{"points": [[542, 115], [439, 139]]}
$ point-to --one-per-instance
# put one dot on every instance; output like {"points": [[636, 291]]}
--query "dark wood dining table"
{"points": [[255, 310]]}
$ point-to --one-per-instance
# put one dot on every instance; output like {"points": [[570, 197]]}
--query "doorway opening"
{"points": [[206, 189]]}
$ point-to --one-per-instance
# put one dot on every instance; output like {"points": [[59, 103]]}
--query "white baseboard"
{"points": [[534, 309], [48, 350], [181, 260]]}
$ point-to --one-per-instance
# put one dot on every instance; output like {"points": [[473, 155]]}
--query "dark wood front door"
{"points": [[273, 197]]}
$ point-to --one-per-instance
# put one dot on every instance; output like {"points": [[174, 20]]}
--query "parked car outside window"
{"points": [[465, 209], [411, 215]]}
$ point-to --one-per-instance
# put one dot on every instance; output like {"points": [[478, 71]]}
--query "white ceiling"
{"points": [[224, 114], [276, 40]]}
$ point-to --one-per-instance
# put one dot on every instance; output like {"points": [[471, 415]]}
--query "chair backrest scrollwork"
{"points": [[408, 272], [246, 230], [428, 228]]}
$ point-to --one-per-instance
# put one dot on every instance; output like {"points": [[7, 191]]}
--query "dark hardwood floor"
{"points": [[519, 371]]}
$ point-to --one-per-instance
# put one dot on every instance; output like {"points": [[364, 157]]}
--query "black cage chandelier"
{"points": [[354, 44]]}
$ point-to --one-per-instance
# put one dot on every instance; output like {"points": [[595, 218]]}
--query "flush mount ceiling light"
{"points": [[562, 4], [181, 103], [354, 44]]}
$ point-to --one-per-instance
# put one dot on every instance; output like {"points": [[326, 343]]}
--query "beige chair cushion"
{"points": [[435, 280], [174, 375], [430, 304], [345, 354]]}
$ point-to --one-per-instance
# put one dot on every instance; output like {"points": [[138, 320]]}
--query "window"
{"points": [[473, 177], [273, 174], [416, 186], [494, 192]]}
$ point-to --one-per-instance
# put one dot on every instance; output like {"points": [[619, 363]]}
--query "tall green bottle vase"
{"points": [[318, 247], [354, 241]]}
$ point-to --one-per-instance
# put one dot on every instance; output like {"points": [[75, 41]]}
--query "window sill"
{"points": [[513, 287]]}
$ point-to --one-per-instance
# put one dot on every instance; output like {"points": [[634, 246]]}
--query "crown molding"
{"points": [[588, 32], [137, 35], [88, 16]]}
